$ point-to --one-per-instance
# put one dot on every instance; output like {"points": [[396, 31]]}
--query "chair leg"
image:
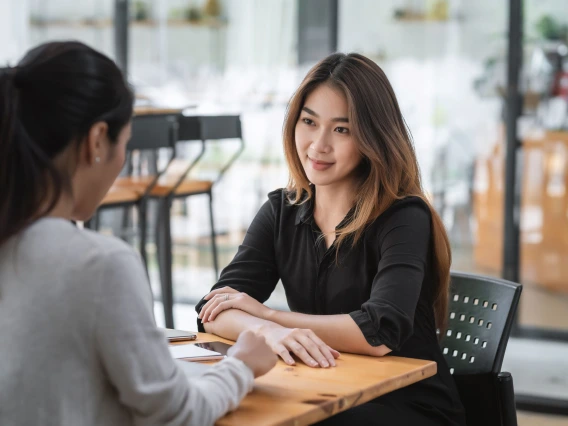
{"points": [[142, 223], [125, 223], [158, 234], [507, 399], [165, 255], [213, 238]]}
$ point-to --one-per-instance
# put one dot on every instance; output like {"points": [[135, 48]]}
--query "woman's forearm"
{"points": [[232, 322], [338, 331]]}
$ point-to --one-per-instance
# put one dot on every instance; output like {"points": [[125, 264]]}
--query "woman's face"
{"points": [[97, 170], [324, 143]]}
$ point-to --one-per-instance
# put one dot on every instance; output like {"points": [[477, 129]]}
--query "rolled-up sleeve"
{"points": [[387, 318], [253, 270]]}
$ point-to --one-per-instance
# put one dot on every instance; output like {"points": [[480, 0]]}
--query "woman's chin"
{"points": [[320, 181]]}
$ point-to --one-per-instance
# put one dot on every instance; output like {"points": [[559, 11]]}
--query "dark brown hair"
{"points": [[49, 101], [391, 170]]}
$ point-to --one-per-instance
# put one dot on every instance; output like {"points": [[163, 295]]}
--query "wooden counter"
{"points": [[544, 210], [300, 395]]}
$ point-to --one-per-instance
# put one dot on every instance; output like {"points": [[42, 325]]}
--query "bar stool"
{"points": [[149, 133], [168, 188]]}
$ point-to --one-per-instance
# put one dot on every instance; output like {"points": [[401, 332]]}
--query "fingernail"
{"points": [[325, 364], [314, 363]]}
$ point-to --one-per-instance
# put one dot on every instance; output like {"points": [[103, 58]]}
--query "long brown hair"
{"points": [[391, 170]]}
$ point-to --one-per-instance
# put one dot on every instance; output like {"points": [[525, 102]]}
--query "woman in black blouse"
{"points": [[363, 257]]}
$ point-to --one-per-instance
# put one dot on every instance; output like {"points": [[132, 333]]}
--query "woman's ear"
{"points": [[97, 143]]}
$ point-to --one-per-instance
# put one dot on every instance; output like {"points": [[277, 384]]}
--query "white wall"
{"points": [[260, 34], [432, 67], [367, 26], [13, 30]]}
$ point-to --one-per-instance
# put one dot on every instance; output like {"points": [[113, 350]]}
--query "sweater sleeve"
{"points": [[134, 354]]}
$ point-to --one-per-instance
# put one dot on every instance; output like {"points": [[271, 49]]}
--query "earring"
{"points": [[97, 159]]}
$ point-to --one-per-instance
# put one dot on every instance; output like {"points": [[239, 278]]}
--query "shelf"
{"points": [[417, 20], [102, 23], [212, 23], [542, 138], [105, 23], [411, 17], [421, 19]]}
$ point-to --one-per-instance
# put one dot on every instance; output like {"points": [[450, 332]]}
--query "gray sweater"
{"points": [[79, 345]]}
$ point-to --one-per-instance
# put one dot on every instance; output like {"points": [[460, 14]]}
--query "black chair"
{"points": [[203, 128], [189, 129], [149, 134], [481, 310]]}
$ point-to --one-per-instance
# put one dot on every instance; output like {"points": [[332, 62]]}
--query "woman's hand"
{"points": [[303, 343], [251, 348], [283, 341], [225, 298]]}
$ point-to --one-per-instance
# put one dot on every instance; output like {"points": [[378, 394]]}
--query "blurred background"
{"points": [[494, 161]]}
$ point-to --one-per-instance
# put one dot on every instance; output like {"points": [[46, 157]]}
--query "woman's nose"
{"points": [[320, 144]]}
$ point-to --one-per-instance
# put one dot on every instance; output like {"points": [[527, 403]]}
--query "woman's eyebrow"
{"points": [[337, 119]]}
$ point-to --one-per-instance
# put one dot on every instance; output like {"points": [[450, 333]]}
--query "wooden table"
{"points": [[151, 110], [300, 395]]}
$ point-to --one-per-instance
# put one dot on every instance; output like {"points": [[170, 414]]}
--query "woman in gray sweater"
{"points": [[78, 342]]}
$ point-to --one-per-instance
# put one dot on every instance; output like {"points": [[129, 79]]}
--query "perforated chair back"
{"points": [[481, 314], [481, 311]]}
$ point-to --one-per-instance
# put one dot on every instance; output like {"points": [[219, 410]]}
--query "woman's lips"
{"points": [[319, 165]]}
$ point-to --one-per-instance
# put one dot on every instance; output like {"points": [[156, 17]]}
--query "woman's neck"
{"points": [[65, 204], [63, 207], [332, 203]]}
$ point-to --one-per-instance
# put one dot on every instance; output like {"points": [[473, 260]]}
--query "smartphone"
{"points": [[220, 347], [179, 335]]}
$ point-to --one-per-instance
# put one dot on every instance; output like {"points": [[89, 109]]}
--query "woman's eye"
{"points": [[342, 130], [307, 121]]}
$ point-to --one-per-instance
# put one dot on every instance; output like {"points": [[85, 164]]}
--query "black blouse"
{"points": [[384, 283]]}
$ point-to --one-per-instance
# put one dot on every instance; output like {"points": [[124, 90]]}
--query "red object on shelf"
{"points": [[561, 85]]}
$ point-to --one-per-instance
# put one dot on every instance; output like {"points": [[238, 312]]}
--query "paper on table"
{"points": [[193, 353]]}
